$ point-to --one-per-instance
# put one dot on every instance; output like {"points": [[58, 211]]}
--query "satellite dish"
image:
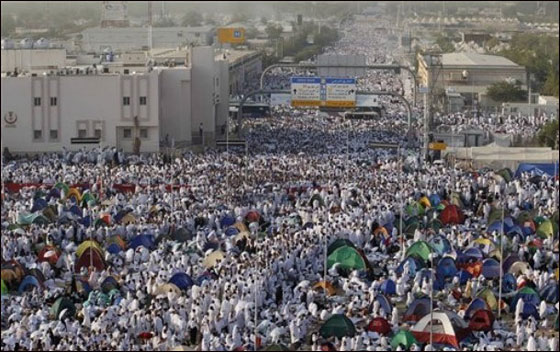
{"points": [[465, 74]]}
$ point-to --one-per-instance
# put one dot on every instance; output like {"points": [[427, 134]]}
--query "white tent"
{"points": [[448, 328]]}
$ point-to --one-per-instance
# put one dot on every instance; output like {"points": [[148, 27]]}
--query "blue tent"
{"points": [[389, 227], [384, 303], [414, 264], [517, 231], [538, 169], [210, 245], [85, 221], [435, 200], [464, 276], [28, 281], [490, 268], [207, 275], [440, 244], [508, 262], [509, 283], [549, 293], [76, 211], [114, 248], [388, 287], [182, 280], [446, 268], [528, 298], [231, 231], [227, 221], [530, 310], [417, 309], [142, 240], [474, 252], [426, 274], [476, 304], [39, 204], [53, 193]]}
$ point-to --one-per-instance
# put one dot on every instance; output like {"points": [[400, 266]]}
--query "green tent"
{"points": [[4, 288], [39, 194], [348, 257], [545, 229], [506, 174], [338, 325], [317, 197], [488, 295], [339, 243], [415, 209], [403, 337], [60, 304], [35, 218], [276, 348], [435, 225], [524, 216], [63, 187], [495, 215], [89, 199], [420, 249], [539, 220], [409, 229], [410, 220]]}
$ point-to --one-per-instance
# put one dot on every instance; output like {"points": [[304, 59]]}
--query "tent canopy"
{"points": [[341, 242], [380, 326], [29, 281], [417, 309], [338, 325], [549, 169], [420, 249], [212, 259], [61, 304], [182, 281], [325, 285], [404, 338], [348, 258], [147, 241], [448, 328]]}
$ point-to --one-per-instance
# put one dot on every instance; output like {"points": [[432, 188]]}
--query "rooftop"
{"points": [[472, 59], [232, 56]]}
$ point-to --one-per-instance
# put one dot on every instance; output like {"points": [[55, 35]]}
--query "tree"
{"points": [[263, 20], [548, 135], [192, 19], [273, 31], [506, 92], [445, 44]]}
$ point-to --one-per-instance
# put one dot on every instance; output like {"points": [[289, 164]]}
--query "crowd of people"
{"points": [[312, 240]]}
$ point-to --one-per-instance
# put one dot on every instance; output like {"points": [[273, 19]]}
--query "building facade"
{"points": [[99, 39], [42, 113], [468, 74], [32, 60]]}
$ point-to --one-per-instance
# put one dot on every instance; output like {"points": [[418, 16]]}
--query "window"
{"points": [[127, 133], [82, 133], [37, 101], [217, 81], [54, 101], [144, 133], [37, 134], [98, 130], [179, 34], [142, 100], [197, 34], [126, 100], [97, 133], [54, 134]]}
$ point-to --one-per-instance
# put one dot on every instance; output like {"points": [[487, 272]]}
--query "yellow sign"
{"points": [[231, 35], [340, 104], [437, 146]]}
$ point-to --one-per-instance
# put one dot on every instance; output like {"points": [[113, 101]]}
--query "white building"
{"points": [[42, 113], [138, 38], [32, 60]]}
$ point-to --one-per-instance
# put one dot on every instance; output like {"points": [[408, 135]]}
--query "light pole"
{"points": [[501, 258]]}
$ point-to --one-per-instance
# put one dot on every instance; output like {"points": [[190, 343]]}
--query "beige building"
{"points": [[244, 66], [43, 113], [468, 74], [32, 60]]}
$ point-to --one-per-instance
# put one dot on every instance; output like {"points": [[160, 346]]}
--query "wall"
{"points": [[81, 99], [175, 108], [203, 109], [120, 39], [32, 59]]}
